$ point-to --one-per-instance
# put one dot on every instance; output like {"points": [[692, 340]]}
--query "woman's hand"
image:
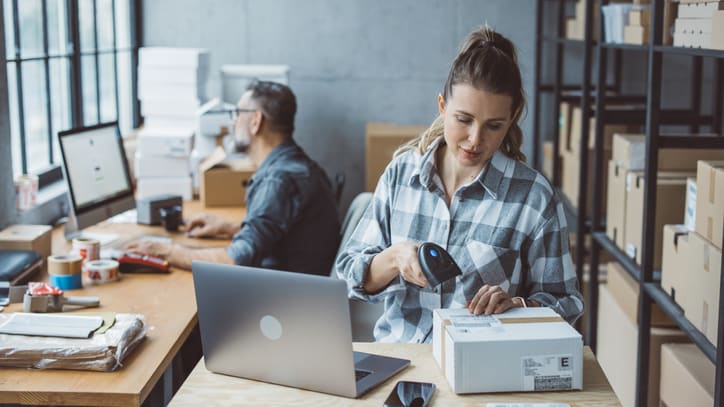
{"points": [[408, 264], [492, 299], [398, 259]]}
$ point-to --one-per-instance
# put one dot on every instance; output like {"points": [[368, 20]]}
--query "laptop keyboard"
{"points": [[361, 374]]}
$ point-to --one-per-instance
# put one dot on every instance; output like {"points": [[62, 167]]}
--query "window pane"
{"points": [[9, 29], [88, 83], [123, 24], [57, 27], [104, 10], [14, 122], [36, 119], [108, 88], [85, 20], [125, 121], [59, 100], [30, 14]]}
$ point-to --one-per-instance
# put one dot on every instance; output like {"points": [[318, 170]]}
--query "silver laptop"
{"points": [[286, 328]]}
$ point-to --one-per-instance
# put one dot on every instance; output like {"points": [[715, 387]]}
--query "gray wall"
{"points": [[7, 187], [352, 61]]}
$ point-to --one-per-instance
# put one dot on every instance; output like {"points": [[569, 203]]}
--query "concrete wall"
{"points": [[351, 61], [7, 187]]}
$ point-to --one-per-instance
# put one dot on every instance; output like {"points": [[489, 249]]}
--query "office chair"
{"points": [[339, 180], [364, 315]]}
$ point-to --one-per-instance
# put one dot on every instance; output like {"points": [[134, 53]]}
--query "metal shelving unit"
{"points": [[650, 291]]}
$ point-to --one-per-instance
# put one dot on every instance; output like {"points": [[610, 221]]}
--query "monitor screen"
{"points": [[96, 173], [95, 164]]}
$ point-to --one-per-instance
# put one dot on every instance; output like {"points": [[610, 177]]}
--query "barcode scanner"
{"points": [[437, 264]]}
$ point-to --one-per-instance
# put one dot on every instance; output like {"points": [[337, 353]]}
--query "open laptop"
{"points": [[286, 328]]}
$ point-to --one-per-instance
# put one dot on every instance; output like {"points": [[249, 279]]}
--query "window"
{"points": [[69, 64]]}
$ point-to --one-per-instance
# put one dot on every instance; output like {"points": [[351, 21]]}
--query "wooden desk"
{"points": [[169, 306], [205, 388]]}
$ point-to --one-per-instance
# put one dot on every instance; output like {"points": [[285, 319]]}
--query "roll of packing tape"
{"points": [[88, 249], [101, 271], [67, 281], [65, 264]]}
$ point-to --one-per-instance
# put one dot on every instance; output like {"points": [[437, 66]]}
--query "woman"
{"points": [[463, 185]]}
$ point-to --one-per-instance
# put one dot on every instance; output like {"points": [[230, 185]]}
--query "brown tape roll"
{"points": [[65, 264]]}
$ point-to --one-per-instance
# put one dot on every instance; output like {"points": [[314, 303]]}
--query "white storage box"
{"points": [[171, 142], [146, 187], [523, 349], [149, 166]]}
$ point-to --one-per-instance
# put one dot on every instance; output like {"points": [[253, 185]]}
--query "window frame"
{"points": [[73, 55]]}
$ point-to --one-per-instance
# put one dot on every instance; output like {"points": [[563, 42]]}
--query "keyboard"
{"points": [[361, 374]]}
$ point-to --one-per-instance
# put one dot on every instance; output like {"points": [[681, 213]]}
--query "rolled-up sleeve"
{"points": [[370, 237], [269, 215], [553, 282]]}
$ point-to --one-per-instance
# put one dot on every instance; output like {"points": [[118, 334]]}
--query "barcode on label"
{"points": [[543, 383]]}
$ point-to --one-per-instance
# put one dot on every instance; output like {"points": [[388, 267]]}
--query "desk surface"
{"points": [[205, 388], [169, 306]]}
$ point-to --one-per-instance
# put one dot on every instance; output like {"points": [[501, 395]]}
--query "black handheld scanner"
{"points": [[436, 263]]}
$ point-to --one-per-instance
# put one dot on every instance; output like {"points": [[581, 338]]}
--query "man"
{"points": [[291, 220]]}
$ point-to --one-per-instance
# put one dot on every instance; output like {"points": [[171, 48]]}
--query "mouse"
{"points": [[437, 264]]}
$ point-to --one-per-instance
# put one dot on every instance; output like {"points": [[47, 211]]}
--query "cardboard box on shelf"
{"points": [[669, 207], [676, 264], [690, 211], [382, 139], [710, 200], [717, 30], [224, 179], [629, 151], [608, 131], [523, 349], [548, 159], [617, 351], [704, 271], [635, 34], [702, 9], [687, 376], [639, 17], [625, 290], [570, 175], [28, 237], [616, 204]]}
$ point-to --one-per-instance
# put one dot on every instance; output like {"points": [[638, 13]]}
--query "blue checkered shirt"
{"points": [[506, 223]]}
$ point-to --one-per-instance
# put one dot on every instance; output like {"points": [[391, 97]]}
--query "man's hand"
{"points": [[491, 299], [150, 247], [204, 225]]}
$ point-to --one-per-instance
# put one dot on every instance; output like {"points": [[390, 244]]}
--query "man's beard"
{"points": [[242, 142]]}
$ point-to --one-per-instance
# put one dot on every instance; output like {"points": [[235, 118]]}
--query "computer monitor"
{"points": [[96, 173]]}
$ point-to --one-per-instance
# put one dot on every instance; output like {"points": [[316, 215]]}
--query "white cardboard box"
{"points": [[149, 166], [171, 142], [499, 353], [146, 187]]}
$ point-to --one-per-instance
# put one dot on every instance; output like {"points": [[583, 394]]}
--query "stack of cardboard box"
{"points": [[171, 87], [691, 268], [687, 377], [626, 186], [638, 27], [691, 275], [695, 24], [617, 350], [570, 123]]}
